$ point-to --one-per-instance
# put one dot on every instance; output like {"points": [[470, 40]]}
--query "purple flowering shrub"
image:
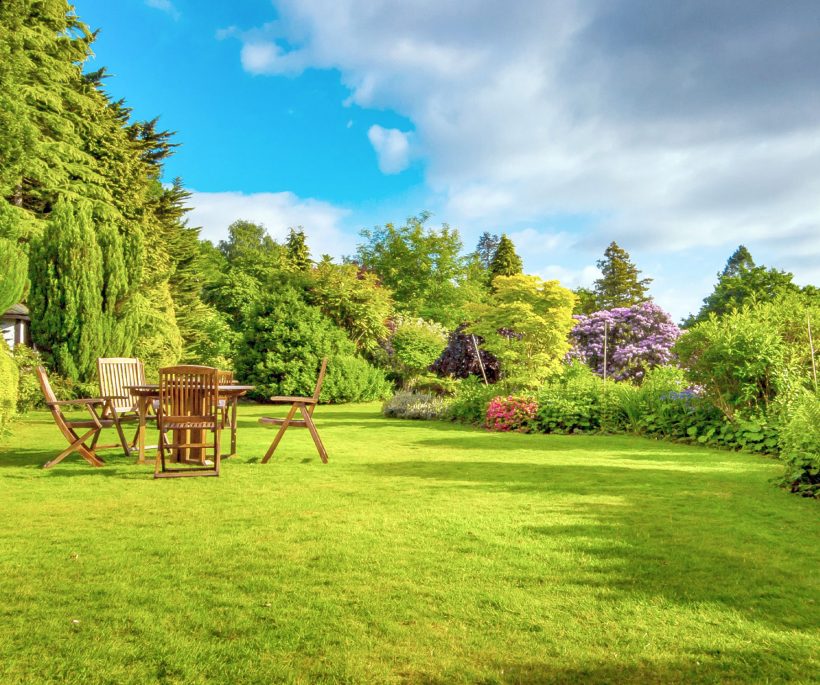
{"points": [[511, 413], [639, 338]]}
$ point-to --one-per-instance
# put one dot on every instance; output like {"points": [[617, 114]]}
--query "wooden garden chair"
{"points": [[226, 378], [305, 406], [189, 409], [69, 427], [116, 375]]}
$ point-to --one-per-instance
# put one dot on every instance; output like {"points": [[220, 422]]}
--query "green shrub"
{"points": [[800, 446], [283, 344], [571, 402], [435, 385], [416, 405], [8, 388], [352, 379], [750, 359], [471, 399], [29, 395], [414, 345]]}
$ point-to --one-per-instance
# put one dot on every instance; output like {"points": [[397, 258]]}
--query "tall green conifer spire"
{"points": [[619, 285], [297, 252], [505, 261], [66, 297]]}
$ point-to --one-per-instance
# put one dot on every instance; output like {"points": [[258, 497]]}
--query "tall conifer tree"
{"points": [[297, 253], [505, 261], [66, 295], [620, 284]]}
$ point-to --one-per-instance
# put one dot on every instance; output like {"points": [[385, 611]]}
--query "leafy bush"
{"points": [[753, 360], [471, 400], [571, 402], [416, 405], [29, 395], [800, 446], [459, 358], [435, 385], [415, 344], [511, 414], [283, 344], [8, 388], [352, 379], [638, 338]]}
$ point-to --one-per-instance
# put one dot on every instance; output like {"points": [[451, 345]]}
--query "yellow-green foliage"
{"points": [[8, 388], [525, 325]]}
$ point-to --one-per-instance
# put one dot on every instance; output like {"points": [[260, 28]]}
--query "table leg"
{"points": [[142, 406], [234, 403]]}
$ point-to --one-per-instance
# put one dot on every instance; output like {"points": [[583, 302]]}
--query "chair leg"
{"points": [[123, 440], [307, 416], [159, 461], [78, 446], [279, 435], [217, 450]]}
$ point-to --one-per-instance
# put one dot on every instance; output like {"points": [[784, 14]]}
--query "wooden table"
{"points": [[147, 393]]}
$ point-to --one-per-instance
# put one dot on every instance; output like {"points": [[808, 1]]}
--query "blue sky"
{"points": [[678, 130]]}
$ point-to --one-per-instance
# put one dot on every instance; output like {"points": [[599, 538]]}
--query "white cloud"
{"points": [[570, 278], [392, 147], [680, 124], [533, 242], [164, 5], [215, 212]]}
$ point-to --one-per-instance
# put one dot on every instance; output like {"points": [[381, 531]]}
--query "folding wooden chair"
{"points": [[188, 407], [116, 374], [94, 424], [305, 406]]}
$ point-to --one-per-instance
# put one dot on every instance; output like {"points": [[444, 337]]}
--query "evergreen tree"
{"points": [[297, 253], [505, 261], [486, 248], [620, 284], [66, 295], [741, 282], [117, 335], [13, 274]]}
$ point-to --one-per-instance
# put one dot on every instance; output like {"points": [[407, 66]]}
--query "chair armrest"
{"points": [[116, 397], [280, 399], [77, 403]]}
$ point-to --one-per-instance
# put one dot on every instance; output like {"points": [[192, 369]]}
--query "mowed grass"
{"points": [[422, 553]]}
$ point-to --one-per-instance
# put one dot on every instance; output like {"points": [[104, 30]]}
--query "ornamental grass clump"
{"points": [[511, 414]]}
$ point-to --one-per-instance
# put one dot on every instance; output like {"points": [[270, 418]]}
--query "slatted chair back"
{"points": [[48, 393], [116, 374], [45, 386], [224, 377], [187, 393], [318, 389], [188, 408]]}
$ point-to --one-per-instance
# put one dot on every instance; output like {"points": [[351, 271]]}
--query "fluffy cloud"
{"points": [[214, 212], [676, 124], [392, 147]]}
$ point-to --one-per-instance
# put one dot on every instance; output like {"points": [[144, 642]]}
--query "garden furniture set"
{"points": [[190, 405]]}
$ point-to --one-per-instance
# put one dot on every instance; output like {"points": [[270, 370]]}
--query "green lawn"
{"points": [[422, 553]]}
